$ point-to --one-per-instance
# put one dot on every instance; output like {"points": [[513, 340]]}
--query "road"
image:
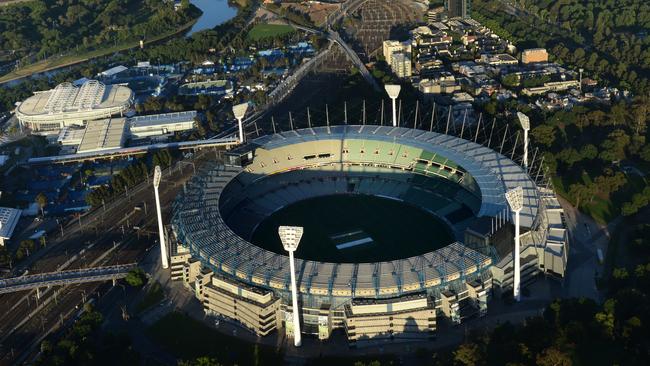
{"points": [[106, 236], [586, 238]]}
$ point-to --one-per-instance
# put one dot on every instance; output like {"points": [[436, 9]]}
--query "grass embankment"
{"points": [[261, 31], [78, 57], [188, 338]]}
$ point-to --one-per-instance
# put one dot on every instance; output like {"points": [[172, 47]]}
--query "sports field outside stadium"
{"points": [[366, 229]]}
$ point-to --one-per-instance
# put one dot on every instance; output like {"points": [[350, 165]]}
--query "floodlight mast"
{"points": [[515, 198], [240, 111], [393, 92], [290, 237], [525, 124], [157, 174]]}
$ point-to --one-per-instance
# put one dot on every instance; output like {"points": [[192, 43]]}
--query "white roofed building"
{"points": [[68, 105], [161, 124], [112, 72]]}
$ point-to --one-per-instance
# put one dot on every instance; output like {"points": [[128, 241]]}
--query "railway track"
{"points": [[104, 237]]}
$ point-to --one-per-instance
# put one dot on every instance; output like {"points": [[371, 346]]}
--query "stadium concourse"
{"points": [[461, 183]]}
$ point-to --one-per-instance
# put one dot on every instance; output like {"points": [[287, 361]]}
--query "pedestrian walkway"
{"points": [[62, 278]]}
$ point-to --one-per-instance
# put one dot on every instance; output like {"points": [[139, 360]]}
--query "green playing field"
{"points": [[397, 230]]}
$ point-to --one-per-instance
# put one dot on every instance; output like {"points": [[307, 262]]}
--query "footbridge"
{"points": [[334, 36], [63, 278]]}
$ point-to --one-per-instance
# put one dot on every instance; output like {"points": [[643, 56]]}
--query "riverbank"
{"points": [[215, 12], [73, 59]]}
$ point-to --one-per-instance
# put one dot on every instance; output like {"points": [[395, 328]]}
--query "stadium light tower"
{"points": [[240, 111], [515, 198], [525, 124], [393, 93], [163, 248], [290, 237]]}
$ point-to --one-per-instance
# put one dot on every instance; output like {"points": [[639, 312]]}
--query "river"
{"points": [[215, 12]]}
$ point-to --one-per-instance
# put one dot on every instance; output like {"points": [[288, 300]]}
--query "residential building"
{"points": [[498, 59], [390, 47], [533, 55], [443, 84], [458, 8], [401, 65], [436, 14], [552, 86]]}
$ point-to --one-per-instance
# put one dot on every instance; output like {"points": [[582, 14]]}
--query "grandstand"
{"points": [[457, 181], [67, 105]]}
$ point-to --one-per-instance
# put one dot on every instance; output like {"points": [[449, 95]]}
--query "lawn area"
{"points": [[153, 296], [261, 31], [188, 338], [600, 210]]}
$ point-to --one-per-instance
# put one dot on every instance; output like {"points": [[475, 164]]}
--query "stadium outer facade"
{"points": [[66, 105], [460, 182]]}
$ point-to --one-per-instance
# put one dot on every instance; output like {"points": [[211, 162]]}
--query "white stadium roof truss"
{"points": [[67, 97]]}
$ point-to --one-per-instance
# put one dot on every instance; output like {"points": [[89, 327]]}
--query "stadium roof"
{"points": [[493, 172], [66, 98]]}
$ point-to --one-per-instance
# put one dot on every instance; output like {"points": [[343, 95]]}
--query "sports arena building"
{"points": [[384, 294], [67, 105]]}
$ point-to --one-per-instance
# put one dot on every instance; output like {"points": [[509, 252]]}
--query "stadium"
{"points": [[404, 230], [67, 104]]}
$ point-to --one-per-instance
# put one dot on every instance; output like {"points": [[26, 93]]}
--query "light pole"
{"points": [[515, 198], [393, 92], [290, 237], [240, 111], [163, 248], [525, 124], [581, 71]]}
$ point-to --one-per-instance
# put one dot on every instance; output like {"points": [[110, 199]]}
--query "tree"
{"points": [[589, 152], [41, 201], [510, 80], [613, 148], [580, 193], [5, 258], [468, 354], [201, 361], [544, 134], [136, 277], [553, 357], [645, 153]]}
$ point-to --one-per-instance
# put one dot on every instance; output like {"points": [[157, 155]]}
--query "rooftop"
{"points": [[160, 119], [103, 134], [66, 97]]}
